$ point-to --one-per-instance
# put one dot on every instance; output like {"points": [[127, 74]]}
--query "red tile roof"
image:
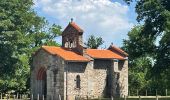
{"points": [[69, 55], [118, 50], [76, 26], [66, 54], [103, 54]]}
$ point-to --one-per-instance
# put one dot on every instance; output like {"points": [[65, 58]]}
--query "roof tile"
{"points": [[118, 50], [66, 54], [103, 54], [76, 27]]}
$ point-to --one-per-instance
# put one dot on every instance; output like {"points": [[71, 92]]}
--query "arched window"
{"points": [[78, 81], [71, 44], [107, 81]]}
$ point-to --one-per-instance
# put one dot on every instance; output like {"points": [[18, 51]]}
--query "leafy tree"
{"points": [[141, 56], [137, 45], [16, 22], [155, 18], [94, 42], [21, 32], [46, 36]]}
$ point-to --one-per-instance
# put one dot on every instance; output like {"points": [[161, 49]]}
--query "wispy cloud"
{"points": [[99, 17]]}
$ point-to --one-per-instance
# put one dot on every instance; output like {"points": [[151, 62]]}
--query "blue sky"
{"points": [[109, 19]]}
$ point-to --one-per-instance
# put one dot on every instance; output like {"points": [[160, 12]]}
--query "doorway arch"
{"points": [[42, 81]]}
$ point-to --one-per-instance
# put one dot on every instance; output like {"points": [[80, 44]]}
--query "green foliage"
{"points": [[141, 56], [21, 32], [94, 42], [47, 36], [138, 45], [155, 16]]}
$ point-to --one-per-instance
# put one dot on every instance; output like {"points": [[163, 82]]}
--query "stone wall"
{"points": [[99, 78], [119, 78], [71, 71], [54, 75], [123, 81], [40, 60], [55, 81], [93, 79], [100, 73]]}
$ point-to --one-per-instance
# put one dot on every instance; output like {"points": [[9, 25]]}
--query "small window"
{"points": [[71, 44], [78, 81], [107, 81]]}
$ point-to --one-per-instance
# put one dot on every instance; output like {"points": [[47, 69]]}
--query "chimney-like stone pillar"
{"points": [[115, 77], [119, 79]]}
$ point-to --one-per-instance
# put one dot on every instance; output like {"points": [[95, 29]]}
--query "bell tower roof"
{"points": [[72, 36], [73, 25]]}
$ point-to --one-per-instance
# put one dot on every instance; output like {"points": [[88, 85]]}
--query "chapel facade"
{"points": [[72, 71]]}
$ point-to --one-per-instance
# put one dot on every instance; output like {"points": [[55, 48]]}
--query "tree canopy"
{"points": [[94, 42], [21, 32], [151, 39]]}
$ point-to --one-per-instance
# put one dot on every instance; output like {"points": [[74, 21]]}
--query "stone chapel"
{"points": [[72, 70]]}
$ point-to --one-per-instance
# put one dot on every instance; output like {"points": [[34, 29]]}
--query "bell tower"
{"points": [[72, 36]]}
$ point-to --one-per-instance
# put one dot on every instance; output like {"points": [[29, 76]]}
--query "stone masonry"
{"points": [[56, 74]]}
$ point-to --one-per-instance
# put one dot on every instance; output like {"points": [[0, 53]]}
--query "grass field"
{"points": [[137, 98], [133, 99]]}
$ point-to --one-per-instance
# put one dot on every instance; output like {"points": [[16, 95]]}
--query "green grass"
{"points": [[131, 99]]}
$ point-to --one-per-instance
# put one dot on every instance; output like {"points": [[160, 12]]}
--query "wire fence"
{"points": [[149, 92], [133, 95]]}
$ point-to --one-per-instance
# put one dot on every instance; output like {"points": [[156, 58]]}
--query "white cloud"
{"points": [[99, 17]]}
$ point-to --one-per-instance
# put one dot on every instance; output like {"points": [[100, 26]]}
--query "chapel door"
{"points": [[42, 82]]}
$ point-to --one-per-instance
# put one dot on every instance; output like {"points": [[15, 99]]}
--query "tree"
{"points": [[16, 22], [21, 32], [141, 56], [94, 42], [46, 36], [155, 18]]}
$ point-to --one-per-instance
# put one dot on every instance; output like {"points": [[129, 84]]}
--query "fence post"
{"points": [[32, 97], [139, 97], [166, 92], [156, 92], [42, 97], [156, 97], [38, 97], [111, 97], [1, 96], [137, 92], [146, 92], [59, 97]]}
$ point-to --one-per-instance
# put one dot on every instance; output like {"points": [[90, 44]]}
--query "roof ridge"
{"points": [[119, 50], [73, 24], [64, 53]]}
